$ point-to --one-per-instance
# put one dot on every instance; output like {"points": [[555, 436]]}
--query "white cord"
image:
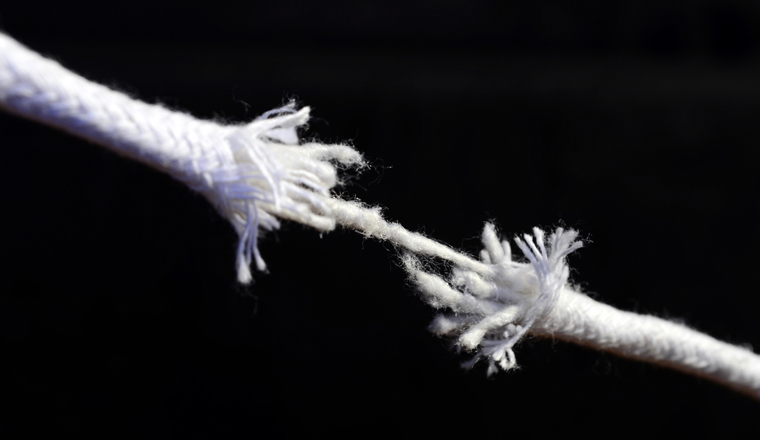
{"points": [[491, 312], [252, 173], [579, 319], [256, 173]]}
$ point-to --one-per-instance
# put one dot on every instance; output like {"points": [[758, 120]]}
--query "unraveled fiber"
{"points": [[492, 312]]}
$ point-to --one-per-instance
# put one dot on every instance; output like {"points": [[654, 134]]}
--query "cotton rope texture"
{"points": [[257, 173]]}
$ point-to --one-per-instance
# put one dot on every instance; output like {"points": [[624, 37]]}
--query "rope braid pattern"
{"points": [[581, 320], [257, 173]]}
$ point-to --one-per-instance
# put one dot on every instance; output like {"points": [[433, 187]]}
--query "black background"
{"points": [[633, 122]]}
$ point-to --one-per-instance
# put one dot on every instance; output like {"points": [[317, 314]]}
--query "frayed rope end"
{"points": [[491, 313], [265, 175]]}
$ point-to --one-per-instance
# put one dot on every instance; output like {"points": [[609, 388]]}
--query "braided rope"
{"points": [[252, 173], [579, 319], [256, 173]]}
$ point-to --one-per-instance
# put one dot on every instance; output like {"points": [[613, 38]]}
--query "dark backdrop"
{"points": [[633, 122]]}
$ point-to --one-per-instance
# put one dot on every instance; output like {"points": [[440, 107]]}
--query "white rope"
{"points": [[257, 173], [492, 312], [252, 173], [579, 319]]}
